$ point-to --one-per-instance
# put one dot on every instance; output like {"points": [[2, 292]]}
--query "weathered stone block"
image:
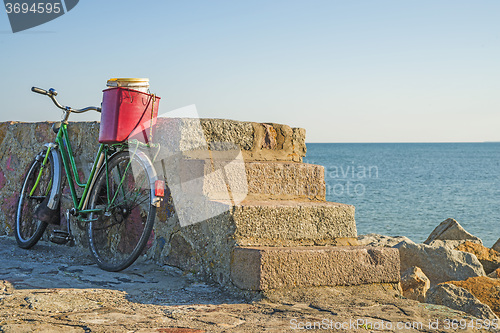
{"points": [[258, 142], [292, 223], [261, 180], [264, 268], [284, 180]]}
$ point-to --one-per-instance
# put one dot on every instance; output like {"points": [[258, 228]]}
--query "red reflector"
{"points": [[159, 188]]}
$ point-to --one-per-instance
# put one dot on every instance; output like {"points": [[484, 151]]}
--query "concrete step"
{"points": [[257, 180], [282, 180], [292, 223], [272, 222], [257, 141], [265, 268]]}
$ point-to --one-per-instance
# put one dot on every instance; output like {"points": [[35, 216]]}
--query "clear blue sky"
{"points": [[347, 71]]}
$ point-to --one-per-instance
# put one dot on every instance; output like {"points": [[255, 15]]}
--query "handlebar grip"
{"points": [[39, 91]]}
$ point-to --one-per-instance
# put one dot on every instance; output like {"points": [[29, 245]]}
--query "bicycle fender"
{"points": [[56, 191], [48, 210], [153, 177]]}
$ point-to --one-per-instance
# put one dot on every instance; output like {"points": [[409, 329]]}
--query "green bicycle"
{"points": [[118, 204]]}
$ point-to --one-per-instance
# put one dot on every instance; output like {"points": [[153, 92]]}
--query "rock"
{"points": [[487, 290], [496, 246], [459, 299], [489, 258], [438, 263], [5, 287], [450, 229], [181, 253], [451, 244], [495, 274], [381, 240], [415, 284]]}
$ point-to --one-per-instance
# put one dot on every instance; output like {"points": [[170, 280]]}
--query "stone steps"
{"points": [[211, 231], [265, 268]]}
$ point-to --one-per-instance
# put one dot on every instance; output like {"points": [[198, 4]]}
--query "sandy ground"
{"points": [[54, 288]]}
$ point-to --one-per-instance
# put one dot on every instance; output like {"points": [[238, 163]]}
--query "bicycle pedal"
{"points": [[60, 237]]}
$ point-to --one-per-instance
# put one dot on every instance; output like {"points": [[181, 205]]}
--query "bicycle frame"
{"points": [[63, 143]]}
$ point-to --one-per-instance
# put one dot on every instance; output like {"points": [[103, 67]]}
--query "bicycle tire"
{"points": [[28, 229], [119, 234]]}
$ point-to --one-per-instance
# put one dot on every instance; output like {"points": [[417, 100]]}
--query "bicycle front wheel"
{"points": [[119, 233], [28, 229]]}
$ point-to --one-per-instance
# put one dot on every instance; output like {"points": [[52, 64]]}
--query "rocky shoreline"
{"points": [[444, 288], [451, 268]]}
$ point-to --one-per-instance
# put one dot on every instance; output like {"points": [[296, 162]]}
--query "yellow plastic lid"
{"points": [[118, 82]]}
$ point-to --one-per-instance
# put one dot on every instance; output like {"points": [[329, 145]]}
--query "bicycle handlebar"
{"points": [[52, 93], [39, 91]]}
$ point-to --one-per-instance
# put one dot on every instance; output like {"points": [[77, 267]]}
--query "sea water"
{"points": [[407, 189]]}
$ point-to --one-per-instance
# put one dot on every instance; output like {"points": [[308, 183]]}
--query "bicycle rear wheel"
{"points": [[119, 234], [28, 229]]}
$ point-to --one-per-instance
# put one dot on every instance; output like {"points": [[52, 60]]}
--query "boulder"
{"points": [[450, 229], [495, 274], [496, 246], [415, 284], [485, 289], [451, 244], [381, 240], [458, 298], [439, 264], [489, 258]]}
